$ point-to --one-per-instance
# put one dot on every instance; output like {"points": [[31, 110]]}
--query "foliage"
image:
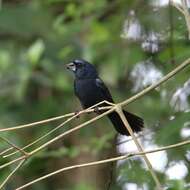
{"points": [[39, 37]]}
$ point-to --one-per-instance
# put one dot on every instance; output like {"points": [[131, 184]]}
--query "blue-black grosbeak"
{"points": [[90, 90]]}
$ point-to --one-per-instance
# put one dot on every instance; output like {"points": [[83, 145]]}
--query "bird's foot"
{"points": [[97, 110], [77, 113]]}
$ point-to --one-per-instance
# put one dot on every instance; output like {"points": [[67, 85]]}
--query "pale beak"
{"points": [[71, 66]]}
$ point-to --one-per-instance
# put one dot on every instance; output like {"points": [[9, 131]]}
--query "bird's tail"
{"points": [[134, 121]]}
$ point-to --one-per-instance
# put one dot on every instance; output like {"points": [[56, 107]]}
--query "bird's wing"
{"points": [[104, 90]]}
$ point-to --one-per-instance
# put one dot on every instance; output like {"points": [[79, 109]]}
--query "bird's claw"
{"points": [[77, 114], [97, 110]]}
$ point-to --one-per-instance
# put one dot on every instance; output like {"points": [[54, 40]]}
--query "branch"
{"points": [[56, 138], [126, 156], [88, 110], [72, 115], [13, 161], [11, 174], [14, 146], [70, 131], [5, 151], [164, 79], [139, 147], [177, 6], [187, 16], [184, 10], [42, 137]]}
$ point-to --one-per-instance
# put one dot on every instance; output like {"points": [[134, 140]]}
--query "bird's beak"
{"points": [[71, 66]]}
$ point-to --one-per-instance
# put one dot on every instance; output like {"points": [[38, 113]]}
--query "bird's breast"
{"points": [[87, 92]]}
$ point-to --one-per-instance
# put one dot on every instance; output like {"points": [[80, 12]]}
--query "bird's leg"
{"points": [[77, 113], [97, 110]]}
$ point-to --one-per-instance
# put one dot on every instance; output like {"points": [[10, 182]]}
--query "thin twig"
{"points": [[14, 146], [11, 174], [187, 16], [42, 137], [56, 138], [61, 125], [139, 146], [13, 161], [185, 11], [88, 110], [164, 79], [123, 157], [5, 151], [139, 135], [70, 131], [177, 6]]}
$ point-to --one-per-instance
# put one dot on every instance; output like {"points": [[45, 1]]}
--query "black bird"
{"points": [[90, 90]]}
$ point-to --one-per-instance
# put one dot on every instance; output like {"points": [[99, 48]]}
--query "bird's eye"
{"points": [[78, 63]]}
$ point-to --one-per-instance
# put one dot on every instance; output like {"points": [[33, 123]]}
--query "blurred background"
{"points": [[133, 43]]}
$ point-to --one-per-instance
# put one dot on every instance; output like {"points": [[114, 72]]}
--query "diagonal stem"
{"points": [[56, 138], [88, 110], [94, 163], [153, 86], [69, 131], [14, 146], [12, 173], [187, 16], [139, 147]]}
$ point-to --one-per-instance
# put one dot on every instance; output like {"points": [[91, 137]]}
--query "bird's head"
{"points": [[82, 69]]}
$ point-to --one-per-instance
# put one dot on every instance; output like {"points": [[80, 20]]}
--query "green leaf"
{"points": [[35, 51]]}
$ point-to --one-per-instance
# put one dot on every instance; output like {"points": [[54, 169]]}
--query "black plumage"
{"points": [[90, 90]]}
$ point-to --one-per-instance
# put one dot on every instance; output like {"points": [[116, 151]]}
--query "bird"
{"points": [[90, 90]]}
